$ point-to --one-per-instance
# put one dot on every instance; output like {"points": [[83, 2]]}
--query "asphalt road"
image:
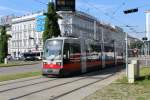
{"points": [[71, 88], [20, 69]]}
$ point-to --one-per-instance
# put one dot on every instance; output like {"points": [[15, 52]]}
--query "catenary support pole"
{"points": [[126, 42]]}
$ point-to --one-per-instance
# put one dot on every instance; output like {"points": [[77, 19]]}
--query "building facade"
{"points": [[80, 24], [27, 30], [25, 38]]}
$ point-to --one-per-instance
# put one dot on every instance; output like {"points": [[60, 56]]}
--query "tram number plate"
{"points": [[49, 70]]}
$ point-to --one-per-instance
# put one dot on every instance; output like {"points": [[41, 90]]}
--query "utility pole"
{"points": [[126, 42], [102, 48], [94, 30]]}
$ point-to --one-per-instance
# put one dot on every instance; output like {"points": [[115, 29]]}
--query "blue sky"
{"points": [[110, 11]]}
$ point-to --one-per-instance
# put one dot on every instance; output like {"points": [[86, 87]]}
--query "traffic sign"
{"points": [[65, 5]]}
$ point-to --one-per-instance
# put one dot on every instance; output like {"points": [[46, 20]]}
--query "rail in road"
{"points": [[42, 88]]}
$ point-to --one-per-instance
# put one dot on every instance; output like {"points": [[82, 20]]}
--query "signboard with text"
{"points": [[65, 5], [40, 22]]}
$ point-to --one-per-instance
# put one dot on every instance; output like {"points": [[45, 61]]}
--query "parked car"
{"points": [[31, 56]]}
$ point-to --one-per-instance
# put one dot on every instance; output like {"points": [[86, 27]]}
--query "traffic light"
{"points": [[144, 39], [130, 11]]}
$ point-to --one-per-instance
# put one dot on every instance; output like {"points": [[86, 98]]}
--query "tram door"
{"points": [[83, 56]]}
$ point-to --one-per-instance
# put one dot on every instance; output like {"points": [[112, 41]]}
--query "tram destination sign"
{"points": [[65, 5]]}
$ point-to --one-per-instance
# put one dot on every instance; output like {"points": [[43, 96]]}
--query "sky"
{"points": [[110, 11]]}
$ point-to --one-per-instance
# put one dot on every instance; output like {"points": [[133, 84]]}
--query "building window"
{"points": [[24, 27]]}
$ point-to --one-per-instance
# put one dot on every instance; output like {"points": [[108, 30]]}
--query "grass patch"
{"points": [[122, 80], [18, 76], [144, 78], [19, 63], [121, 90]]}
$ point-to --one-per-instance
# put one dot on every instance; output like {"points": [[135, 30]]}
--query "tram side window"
{"points": [[71, 52], [94, 52], [109, 52], [96, 48]]}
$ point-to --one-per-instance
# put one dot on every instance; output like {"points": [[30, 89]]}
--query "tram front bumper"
{"points": [[51, 71]]}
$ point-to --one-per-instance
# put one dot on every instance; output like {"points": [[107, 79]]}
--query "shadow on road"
{"points": [[96, 74]]}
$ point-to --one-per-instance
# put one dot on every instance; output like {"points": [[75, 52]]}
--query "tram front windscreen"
{"points": [[53, 50]]}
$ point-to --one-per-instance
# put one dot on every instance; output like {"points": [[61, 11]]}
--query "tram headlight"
{"points": [[58, 63], [44, 63]]}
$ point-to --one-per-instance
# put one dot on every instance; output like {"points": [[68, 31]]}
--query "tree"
{"points": [[51, 23], [3, 44], [137, 44]]}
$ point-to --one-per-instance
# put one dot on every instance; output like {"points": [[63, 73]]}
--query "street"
{"points": [[71, 88], [20, 69]]}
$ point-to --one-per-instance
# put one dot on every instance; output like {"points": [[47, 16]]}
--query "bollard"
{"points": [[133, 61], [133, 70], [131, 77], [137, 67], [5, 61]]}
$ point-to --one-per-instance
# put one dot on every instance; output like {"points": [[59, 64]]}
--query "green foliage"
{"points": [[51, 23], [3, 44], [137, 44], [144, 76], [122, 80]]}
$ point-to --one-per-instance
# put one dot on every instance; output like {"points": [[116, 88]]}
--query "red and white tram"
{"points": [[66, 55]]}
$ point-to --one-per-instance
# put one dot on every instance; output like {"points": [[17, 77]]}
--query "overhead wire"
{"points": [[112, 17], [117, 9], [143, 6], [106, 14], [38, 1]]}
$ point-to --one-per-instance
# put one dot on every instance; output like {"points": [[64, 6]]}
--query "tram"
{"points": [[65, 55]]}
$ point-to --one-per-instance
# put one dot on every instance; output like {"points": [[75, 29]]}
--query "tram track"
{"points": [[21, 81], [48, 88], [26, 85], [44, 86], [69, 92], [11, 83], [5, 90]]}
